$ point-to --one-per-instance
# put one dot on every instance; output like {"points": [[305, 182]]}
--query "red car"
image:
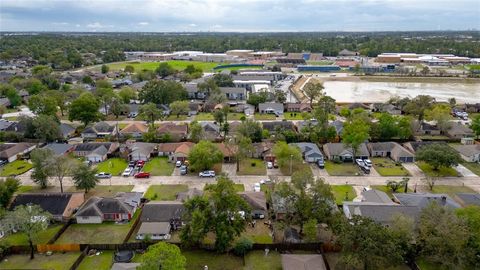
{"points": [[140, 163], [142, 175]]}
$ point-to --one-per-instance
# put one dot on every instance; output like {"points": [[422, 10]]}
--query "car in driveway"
{"points": [[140, 163], [368, 162], [321, 163], [207, 174], [256, 187], [178, 163], [269, 165], [128, 171], [142, 175], [183, 170], [103, 175]]}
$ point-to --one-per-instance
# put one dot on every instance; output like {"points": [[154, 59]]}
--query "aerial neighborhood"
{"points": [[261, 156]]}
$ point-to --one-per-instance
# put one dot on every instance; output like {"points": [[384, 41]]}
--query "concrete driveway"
{"points": [[464, 171], [414, 170]]}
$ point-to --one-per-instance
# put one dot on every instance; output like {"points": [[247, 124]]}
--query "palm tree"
{"points": [[84, 178]]}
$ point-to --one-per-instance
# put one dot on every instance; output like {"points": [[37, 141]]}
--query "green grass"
{"points": [[342, 169], [239, 188], [256, 260], [389, 191], [20, 239], [176, 64], [246, 167], [57, 261], [472, 166], [164, 192], [238, 68], [339, 191], [260, 234], [114, 166], [296, 116], [451, 190], [296, 166], [235, 116], [264, 116], [387, 167], [175, 118], [334, 258], [101, 262], [204, 117], [441, 172], [425, 265], [215, 261], [159, 166], [15, 168], [104, 190]]}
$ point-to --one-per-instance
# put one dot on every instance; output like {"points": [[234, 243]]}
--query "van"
{"points": [[321, 163]]}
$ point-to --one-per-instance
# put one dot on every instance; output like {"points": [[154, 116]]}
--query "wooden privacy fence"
{"points": [[58, 247]]}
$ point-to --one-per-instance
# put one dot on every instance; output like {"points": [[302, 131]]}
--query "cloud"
{"points": [[143, 23], [97, 25], [193, 25]]}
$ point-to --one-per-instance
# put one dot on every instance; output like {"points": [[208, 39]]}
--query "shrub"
{"points": [[242, 246], [254, 164]]}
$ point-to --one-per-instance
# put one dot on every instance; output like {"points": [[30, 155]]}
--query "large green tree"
{"points": [[8, 187], [163, 256], [150, 113], [355, 132], [438, 155], [165, 69], [41, 158], [418, 105], [204, 155], [162, 92], [46, 128], [287, 156], [313, 90], [476, 125], [250, 129], [179, 107], [84, 109]]}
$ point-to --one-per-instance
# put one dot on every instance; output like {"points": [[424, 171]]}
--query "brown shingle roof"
{"points": [[171, 147], [173, 129], [134, 128]]}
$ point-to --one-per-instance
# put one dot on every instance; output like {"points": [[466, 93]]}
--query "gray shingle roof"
{"points": [[376, 196], [469, 198], [162, 211], [468, 150], [309, 149], [96, 206], [380, 212], [422, 200], [59, 148], [336, 149]]}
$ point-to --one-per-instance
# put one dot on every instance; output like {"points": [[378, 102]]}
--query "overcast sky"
{"points": [[238, 15]]}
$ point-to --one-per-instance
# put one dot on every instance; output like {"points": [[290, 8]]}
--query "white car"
{"points": [[178, 163], [256, 187], [207, 174], [128, 171], [360, 162], [103, 175], [270, 165], [368, 162]]}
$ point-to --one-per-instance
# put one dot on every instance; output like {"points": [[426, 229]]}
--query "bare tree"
{"points": [[60, 167]]}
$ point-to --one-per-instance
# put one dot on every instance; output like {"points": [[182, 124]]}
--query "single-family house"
{"points": [[386, 108], [154, 230], [211, 131], [97, 210], [271, 108], [193, 92], [175, 151], [279, 126], [193, 108], [392, 150], [11, 151], [99, 130], [175, 132], [383, 213], [338, 125], [340, 151], [297, 107], [141, 151], [427, 129], [95, 152], [467, 199], [60, 205], [134, 130], [4, 124], [66, 130], [264, 151], [234, 93], [164, 211], [257, 202], [60, 149], [458, 130], [421, 200], [228, 152], [303, 262], [279, 206], [469, 152], [310, 151]]}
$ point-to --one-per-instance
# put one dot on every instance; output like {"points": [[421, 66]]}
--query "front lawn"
{"points": [[235, 116], [104, 190], [204, 117], [296, 116], [257, 260], [164, 192], [472, 166], [387, 167], [252, 166], [113, 166], [20, 239], [389, 191], [175, 118], [15, 168], [450, 190], [296, 167], [342, 169], [263, 116], [340, 192], [441, 172], [215, 261], [159, 166], [100, 262], [57, 261]]}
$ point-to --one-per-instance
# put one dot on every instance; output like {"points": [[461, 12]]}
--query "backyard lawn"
{"points": [[57, 261], [252, 167], [215, 261], [472, 166], [260, 234], [333, 258], [441, 172], [15, 168], [339, 191], [176, 64], [20, 239], [204, 117], [387, 167], [159, 166], [114, 166], [164, 192], [263, 116], [100, 262], [256, 260], [342, 169]]}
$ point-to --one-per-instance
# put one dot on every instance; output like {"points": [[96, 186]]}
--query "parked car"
{"points": [[265, 181], [207, 174], [140, 163], [183, 170], [132, 163], [269, 165], [360, 162], [368, 162], [103, 175], [142, 175], [132, 115], [256, 187], [178, 163], [128, 171], [321, 163]]}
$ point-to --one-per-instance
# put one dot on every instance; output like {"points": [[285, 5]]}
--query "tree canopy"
{"points": [[438, 155]]}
